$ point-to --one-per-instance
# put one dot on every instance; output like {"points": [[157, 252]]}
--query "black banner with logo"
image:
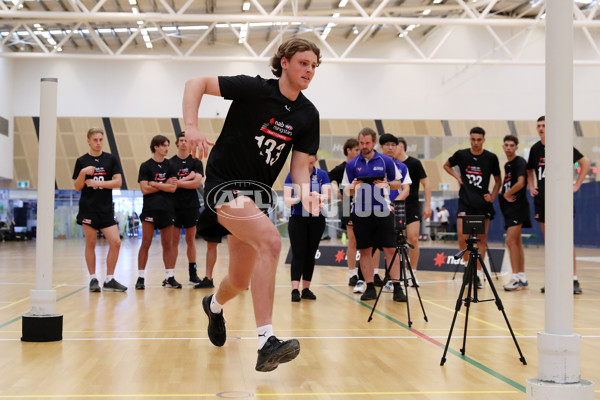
{"points": [[430, 258]]}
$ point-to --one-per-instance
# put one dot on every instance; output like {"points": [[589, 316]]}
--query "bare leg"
{"points": [[254, 248], [90, 248], [412, 231], [366, 264], [515, 248], [147, 233], [211, 258], [175, 243], [166, 240], [351, 252], [114, 245], [190, 240], [395, 270]]}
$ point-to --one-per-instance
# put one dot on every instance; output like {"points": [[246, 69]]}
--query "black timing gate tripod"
{"points": [[469, 282], [402, 252]]}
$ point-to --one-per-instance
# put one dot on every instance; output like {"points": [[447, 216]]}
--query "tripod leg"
{"points": [[412, 275], [470, 275], [387, 274], [487, 249], [404, 280], [459, 301], [500, 306]]}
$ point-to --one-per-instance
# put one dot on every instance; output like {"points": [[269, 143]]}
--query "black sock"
{"points": [[371, 285], [192, 267]]}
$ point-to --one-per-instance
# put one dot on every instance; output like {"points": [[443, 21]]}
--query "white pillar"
{"points": [[43, 298], [558, 347]]}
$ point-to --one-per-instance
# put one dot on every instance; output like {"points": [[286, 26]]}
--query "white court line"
{"points": [[590, 259]]}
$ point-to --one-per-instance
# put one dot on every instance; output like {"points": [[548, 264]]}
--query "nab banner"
{"points": [[430, 258]]}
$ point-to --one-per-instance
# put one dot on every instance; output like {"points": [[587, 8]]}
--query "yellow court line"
{"points": [[26, 298], [471, 316]]}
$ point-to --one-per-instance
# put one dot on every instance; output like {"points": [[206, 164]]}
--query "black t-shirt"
{"points": [[97, 199], [153, 171], [186, 198], [512, 171], [337, 173], [537, 162], [475, 173], [261, 128], [416, 173]]}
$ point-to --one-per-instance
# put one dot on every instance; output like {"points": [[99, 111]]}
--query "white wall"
{"points": [[390, 91], [6, 111]]}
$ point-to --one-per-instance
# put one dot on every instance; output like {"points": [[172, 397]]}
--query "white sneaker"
{"points": [[360, 287], [514, 284], [389, 287]]}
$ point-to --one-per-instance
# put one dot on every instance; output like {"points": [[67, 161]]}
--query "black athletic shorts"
{"points": [[159, 218], [96, 220], [465, 209], [186, 217], [213, 239], [515, 214], [346, 221], [374, 231], [217, 194], [412, 213]]}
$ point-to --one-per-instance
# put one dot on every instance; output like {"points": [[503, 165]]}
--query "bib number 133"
{"points": [[267, 147]]}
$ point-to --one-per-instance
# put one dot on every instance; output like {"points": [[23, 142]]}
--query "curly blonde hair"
{"points": [[290, 47]]}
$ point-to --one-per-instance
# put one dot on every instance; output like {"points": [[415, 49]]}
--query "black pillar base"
{"points": [[42, 328]]}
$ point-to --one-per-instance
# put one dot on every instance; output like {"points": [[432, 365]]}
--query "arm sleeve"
{"points": [[324, 178], [421, 174], [116, 167], [144, 174], [576, 155], [348, 174], [496, 166], [78, 168], [454, 159], [199, 167], [308, 142]]}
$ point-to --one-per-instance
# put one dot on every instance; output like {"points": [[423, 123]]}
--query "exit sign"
{"points": [[22, 184], [444, 186]]}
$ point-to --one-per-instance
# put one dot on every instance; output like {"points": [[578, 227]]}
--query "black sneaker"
{"points": [[377, 280], [276, 352], [194, 278], [170, 282], [576, 288], [370, 293], [205, 284], [295, 295], [113, 286], [94, 286], [139, 285], [352, 281], [399, 295], [216, 323], [308, 294]]}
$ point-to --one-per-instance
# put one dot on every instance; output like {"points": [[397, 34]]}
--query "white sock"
{"points": [[264, 333], [515, 276], [170, 273], [109, 278], [353, 272], [92, 276], [141, 272], [375, 271], [215, 306], [522, 276], [574, 277]]}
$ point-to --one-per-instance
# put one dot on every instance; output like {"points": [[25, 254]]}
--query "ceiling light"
{"points": [[335, 15], [342, 3], [427, 12], [132, 2], [437, 1], [148, 45], [134, 10], [37, 26], [245, 6]]}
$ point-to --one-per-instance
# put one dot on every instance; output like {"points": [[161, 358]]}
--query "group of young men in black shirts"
{"points": [[476, 166], [170, 204]]}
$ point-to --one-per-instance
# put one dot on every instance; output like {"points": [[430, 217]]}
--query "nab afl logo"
{"points": [[264, 197]]}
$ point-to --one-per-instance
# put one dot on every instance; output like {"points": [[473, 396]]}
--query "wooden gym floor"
{"points": [[152, 344]]}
